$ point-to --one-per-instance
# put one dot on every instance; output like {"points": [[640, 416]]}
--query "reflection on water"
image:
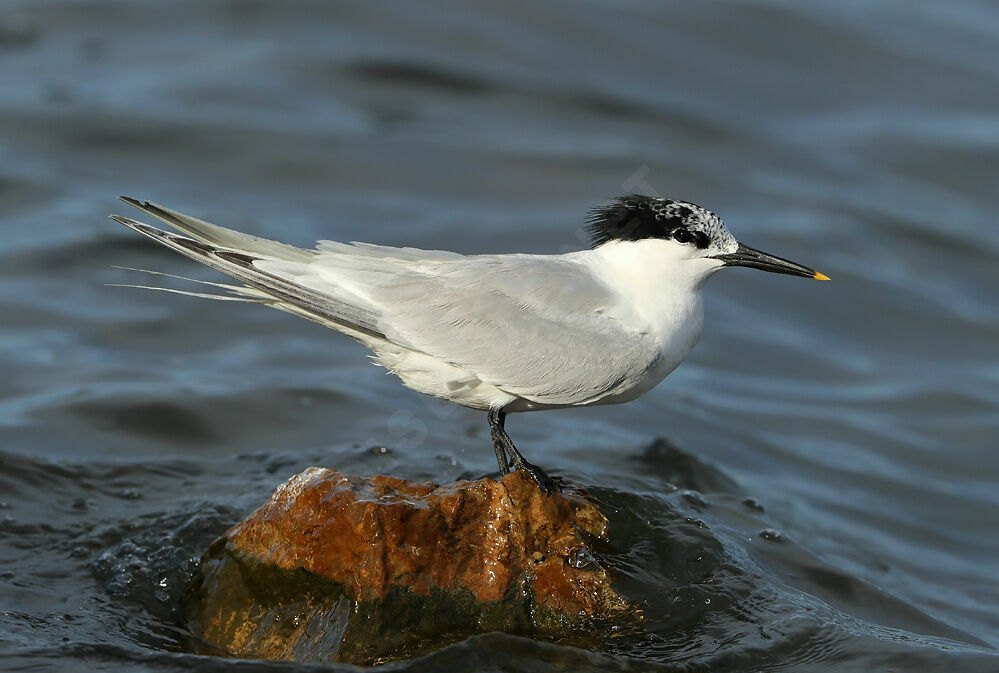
{"points": [[832, 503]]}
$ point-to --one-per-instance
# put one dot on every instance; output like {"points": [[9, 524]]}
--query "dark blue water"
{"points": [[828, 498]]}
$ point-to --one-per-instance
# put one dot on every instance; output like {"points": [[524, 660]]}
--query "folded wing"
{"points": [[536, 327]]}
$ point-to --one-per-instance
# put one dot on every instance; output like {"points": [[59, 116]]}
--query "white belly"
{"points": [[431, 376]]}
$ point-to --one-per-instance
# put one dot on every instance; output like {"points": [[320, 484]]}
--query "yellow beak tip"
{"points": [[820, 276]]}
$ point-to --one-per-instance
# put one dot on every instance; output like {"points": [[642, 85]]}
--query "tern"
{"points": [[500, 333]]}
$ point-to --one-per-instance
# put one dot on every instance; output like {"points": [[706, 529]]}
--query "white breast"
{"points": [[659, 285]]}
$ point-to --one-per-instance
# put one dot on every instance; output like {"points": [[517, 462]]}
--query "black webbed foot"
{"points": [[547, 485]]}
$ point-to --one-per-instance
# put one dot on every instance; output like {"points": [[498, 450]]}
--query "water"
{"points": [[828, 499]]}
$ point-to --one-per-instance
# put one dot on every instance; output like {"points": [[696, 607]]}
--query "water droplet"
{"points": [[695, 498], [582, 558], [82, 504], [772, 535]]}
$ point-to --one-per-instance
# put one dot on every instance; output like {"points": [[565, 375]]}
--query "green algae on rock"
{"points": [[369, 569]]}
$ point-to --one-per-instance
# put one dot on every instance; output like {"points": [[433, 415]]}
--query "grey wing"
{"points": [[274, 290], [221, 237], [282, 275], [413, 257], [534, 326]]}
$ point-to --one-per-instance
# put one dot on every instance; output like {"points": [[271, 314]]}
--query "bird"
{"points": [[500, 333]]}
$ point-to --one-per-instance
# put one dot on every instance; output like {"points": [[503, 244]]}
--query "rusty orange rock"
{"points": [[365, 569]]}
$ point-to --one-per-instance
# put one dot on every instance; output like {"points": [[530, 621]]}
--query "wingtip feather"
{"points": [[130, 201], [152, 208], [144, 228], [123, 220]]}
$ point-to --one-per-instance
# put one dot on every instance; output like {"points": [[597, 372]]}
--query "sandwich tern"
{"points": [[500, 333]]}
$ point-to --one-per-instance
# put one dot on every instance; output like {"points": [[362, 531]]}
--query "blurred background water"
{"points": [[828, 497]]}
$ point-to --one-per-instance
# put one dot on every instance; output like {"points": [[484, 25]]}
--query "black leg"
{"points": [[503, 446], [496, 418]]}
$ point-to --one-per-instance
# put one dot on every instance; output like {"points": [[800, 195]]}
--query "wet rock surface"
{"points": [[368, 569]]}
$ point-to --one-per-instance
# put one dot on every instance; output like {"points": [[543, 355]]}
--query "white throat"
{"points": [[658, 286]]}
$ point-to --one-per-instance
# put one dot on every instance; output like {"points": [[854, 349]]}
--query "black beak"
{"points": [[746, 256]]}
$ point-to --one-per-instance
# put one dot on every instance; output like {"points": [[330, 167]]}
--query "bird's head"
{"points": [[682, 231]]}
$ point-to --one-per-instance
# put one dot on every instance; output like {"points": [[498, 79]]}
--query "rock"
{"points": [[364, 570]]}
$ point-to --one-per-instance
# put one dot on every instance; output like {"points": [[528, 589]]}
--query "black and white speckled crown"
{"points": [[635, 218]]}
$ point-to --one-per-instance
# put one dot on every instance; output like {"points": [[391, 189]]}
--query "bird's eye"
{"points": [[682, 236]]}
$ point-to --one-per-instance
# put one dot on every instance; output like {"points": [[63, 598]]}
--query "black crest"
{"points": [[635, 218]]}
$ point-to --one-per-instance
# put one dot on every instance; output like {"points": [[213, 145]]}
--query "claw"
{"points": [[547, 485]]}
